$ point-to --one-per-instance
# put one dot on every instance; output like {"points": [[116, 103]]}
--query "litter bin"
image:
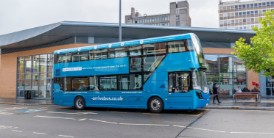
{"points": [[27, 94]]}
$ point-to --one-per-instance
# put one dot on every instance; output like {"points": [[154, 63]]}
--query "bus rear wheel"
{"points": [[155, 105], [79, 103]]}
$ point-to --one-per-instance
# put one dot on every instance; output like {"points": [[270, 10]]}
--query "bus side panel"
{"points": [[114, 99], [157, 84]]}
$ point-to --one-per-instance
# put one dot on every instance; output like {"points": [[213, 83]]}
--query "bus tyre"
{"points": [[155, 105], [79, 103]]}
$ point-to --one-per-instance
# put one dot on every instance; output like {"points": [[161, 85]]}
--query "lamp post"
{"points": [[120, 25]]}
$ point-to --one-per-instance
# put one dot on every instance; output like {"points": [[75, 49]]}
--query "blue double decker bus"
{"points": [[158, 74]]}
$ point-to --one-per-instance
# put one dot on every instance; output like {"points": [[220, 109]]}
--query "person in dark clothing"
{"points": [[245, 89], [215, 93]]}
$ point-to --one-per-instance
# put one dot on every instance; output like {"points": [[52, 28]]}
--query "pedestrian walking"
{"points": [[215, 93]]}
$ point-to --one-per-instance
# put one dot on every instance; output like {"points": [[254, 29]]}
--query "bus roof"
{"points": [[125, 43]]}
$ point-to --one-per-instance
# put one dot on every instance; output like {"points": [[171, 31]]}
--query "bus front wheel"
{"points": [[79, 103], [155, 105]]}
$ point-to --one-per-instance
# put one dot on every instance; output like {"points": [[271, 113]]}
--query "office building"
{"points": [[178, 16], [242, 14]]}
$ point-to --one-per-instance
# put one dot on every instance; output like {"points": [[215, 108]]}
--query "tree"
{"points": [[258, 55]]}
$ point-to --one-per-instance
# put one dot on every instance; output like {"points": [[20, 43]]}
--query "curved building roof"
{"points": [[60, 31]]}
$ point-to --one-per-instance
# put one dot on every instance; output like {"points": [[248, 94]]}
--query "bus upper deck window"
{"points": [[135, 51], [177, 46]]}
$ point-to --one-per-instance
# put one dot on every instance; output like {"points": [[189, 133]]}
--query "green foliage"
{"points": [[259, 54]]}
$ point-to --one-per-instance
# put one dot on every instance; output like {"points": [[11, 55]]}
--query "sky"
{"points": [[16, 15]]}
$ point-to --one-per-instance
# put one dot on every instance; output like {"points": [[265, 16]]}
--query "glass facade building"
{"points": [[227, 71], [243, 15], [34, 73]]}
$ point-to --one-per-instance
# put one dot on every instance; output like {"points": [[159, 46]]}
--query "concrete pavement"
{"points": [[244, 104]]}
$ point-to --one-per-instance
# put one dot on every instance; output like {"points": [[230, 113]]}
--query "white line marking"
{"points": [[55, 117], [260, 133], [66, 136], [102, 121], [39, 133], [179, 126], [131, 124], [220, 131], [87, 113], [78, 113], [5, 113], [19, 131], [82, 119], [62, 113]]}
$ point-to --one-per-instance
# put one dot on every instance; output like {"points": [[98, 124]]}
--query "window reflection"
{"points": [[226, 70], [34, 73]]}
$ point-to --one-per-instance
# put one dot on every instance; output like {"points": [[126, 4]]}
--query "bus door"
{"points": [[179, 94]]}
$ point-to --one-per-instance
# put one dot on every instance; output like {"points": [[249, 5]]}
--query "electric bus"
{"points": [[161, 73]]}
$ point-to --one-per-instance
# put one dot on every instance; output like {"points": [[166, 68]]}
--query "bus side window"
{"points": [[179, 81], [177, 46], [93, 83]]}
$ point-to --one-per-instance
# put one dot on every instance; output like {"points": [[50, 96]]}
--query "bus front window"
{"points": [[199, 81]]}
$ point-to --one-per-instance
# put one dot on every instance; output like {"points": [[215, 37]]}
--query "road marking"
{"points": [[19, 131], [84, 119], [131, 124], [39, 133], [87, 113], [55, 117], [5, 113], [14, 108], [178, 126], [260, 133], [219, 131], [78, 113], [102, 121], [66, 136]]}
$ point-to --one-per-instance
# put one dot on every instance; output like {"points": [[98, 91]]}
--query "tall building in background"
{"points": [[242, 14], [178, 16]]}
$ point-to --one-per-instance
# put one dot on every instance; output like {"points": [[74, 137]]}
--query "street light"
{"points": [[120, 24]]}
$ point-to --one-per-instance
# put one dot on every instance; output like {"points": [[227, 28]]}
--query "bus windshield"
{"points": [[199, 81]]}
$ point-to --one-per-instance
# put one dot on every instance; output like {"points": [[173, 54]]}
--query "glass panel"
{"points": [[146, 76], [49, 88], [135, 64], [35, 64], [60, 81], [178, 46], [100, 54], [151, 62], [158, 48], [20, 76], [35, 85], [28, 66], [21, 65], [84, 56], [179, 82], [76, 57], [80, 84], [120, 52], [93, 83], [135, 51], [123, 82], [20, 88], [108, 83], [64, 58], [67, 84], [43, 63], [212, 63], [135, 81]]}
